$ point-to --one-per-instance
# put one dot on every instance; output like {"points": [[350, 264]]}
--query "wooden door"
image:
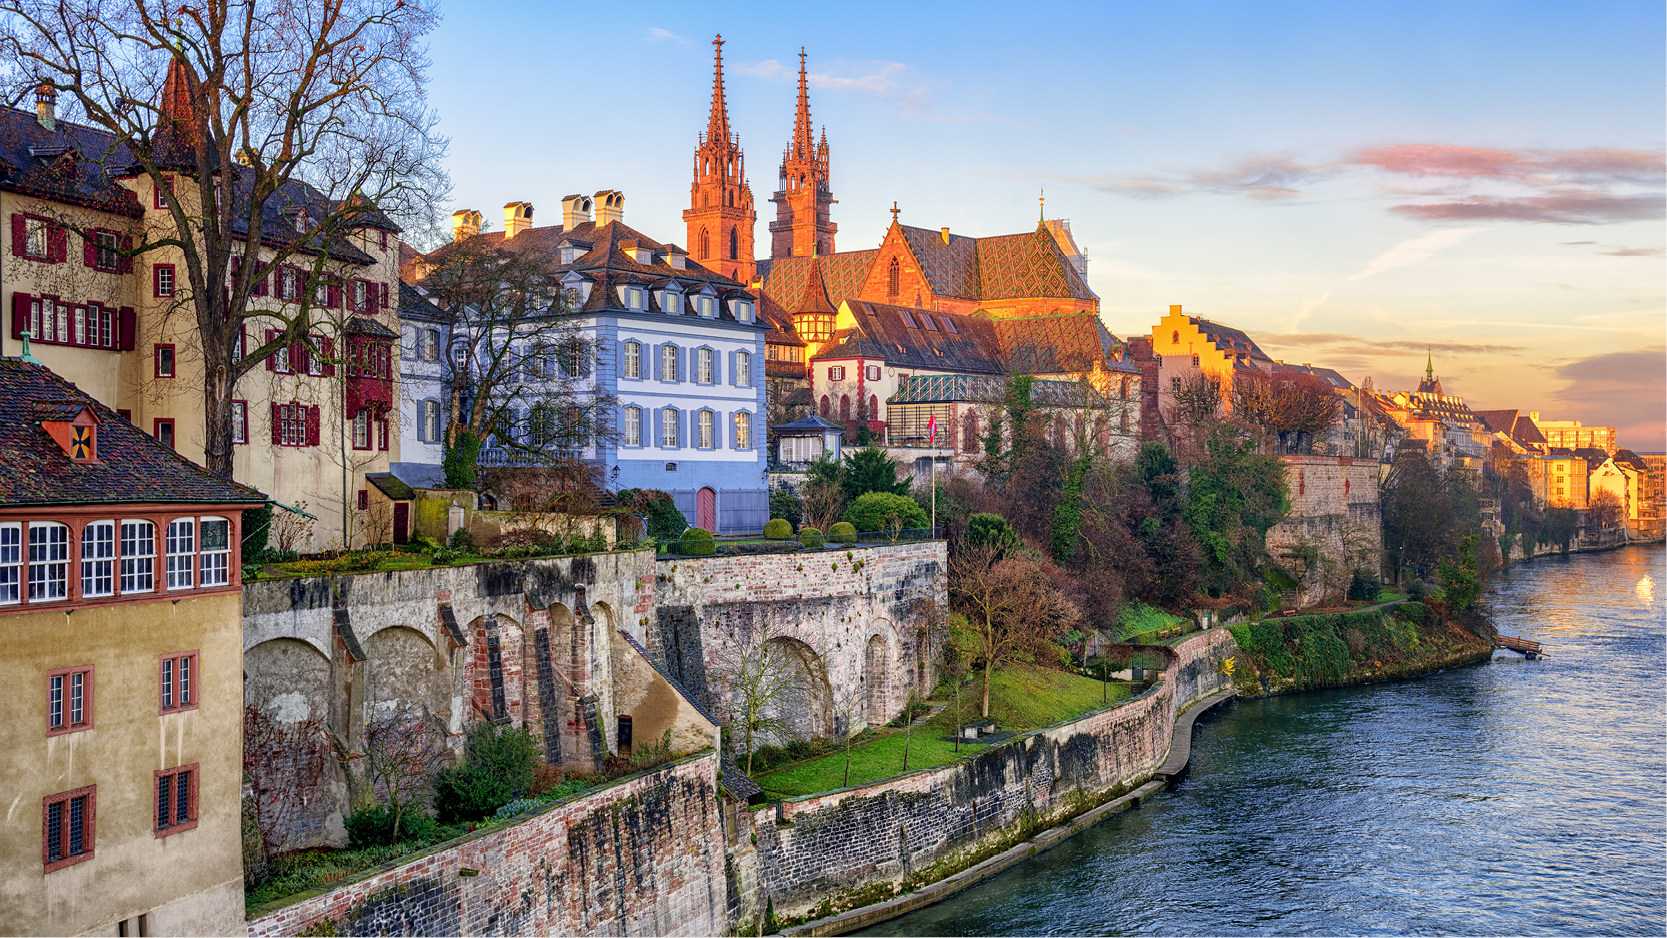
{"points": [[402, 522], [706, 510]]}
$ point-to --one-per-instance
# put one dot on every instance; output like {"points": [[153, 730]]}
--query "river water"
{"points": [[1510, 798]]}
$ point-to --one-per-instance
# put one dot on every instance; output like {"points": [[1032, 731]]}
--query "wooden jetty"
{"points": [[1525, 647]]}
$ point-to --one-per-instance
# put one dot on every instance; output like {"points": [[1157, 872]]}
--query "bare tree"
{"points": [[403, 748], [1292, 407], [1011, 606], [285, 764], [755, 679], [1197, 407], [244, 114]]}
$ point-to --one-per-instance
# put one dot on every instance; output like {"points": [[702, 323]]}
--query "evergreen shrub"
{"points": [[871, 511], [778, 528], [374, 826], [842, 532], [812, 538], [699, 541], [497, 769]]}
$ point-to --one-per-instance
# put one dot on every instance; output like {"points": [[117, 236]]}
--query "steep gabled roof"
{"points": [[951, 269], [1229, 338], [898, 335], [132, 465], [843, 275], [1027, 265], [1060, 343]]}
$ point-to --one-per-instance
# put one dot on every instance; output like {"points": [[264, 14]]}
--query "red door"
{"points": [[706, 510], [402, 522]]}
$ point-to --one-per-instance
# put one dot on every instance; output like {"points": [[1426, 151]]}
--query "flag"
{"points": [[932, 430]]}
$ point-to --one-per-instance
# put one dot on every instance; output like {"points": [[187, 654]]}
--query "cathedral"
{"points": [[1030, 287]]}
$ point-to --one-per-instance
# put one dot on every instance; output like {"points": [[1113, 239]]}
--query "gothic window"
{"points": [[705, 244], [845, 407], [824, 405], [1175, 338], [733, 244], [894, 279]]}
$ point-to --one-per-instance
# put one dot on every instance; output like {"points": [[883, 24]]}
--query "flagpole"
{"points": [[934, 456]]}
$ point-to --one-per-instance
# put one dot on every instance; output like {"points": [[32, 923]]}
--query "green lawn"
{"points": [[1022, 698]]}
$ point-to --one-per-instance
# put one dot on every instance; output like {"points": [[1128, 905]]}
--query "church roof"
{"points": [[1025, 265], [1060, 343], [843, 274], [917, 338], [987, 389]]}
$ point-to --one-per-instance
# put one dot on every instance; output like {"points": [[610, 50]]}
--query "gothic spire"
{"points": [[1429, 363], [717, 126], [804, 139]]}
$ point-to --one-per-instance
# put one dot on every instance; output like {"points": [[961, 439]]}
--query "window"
{"points": [[634, 298], [672, 302], [894, 279], [1175, 338], [67, 827], [382, 435], [845, 407], [704, 359], [163, 279], [668, 363], [631, 361], [703, 426], [215, 561], [69, 700], [872, 372], [176, 800], [138, 557], [632, 431], [430, 423], [240, 421], [361, 296], [361, 429], [1175, 385], [733, 248], [178, 689], [104, 251], [160, 194], [291, 424], [705, 243], [163, 365], [364, 499], [948, 325], [743, 369], [163, 429], [98, 559], [48, 561], [926, 320], [182, 549], [289, 284], [11, 562], [1195, 361], [318, 364], [431, 345], [35, 242], [836, 373], [668, 427], [743, 430]]}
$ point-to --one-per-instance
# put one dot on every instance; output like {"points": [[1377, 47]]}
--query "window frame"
{"points": [[223, 564], [47, 563], [156, 431], [89, 827], [361, 429], [157, 270], [87, 692], [630, 431], [124, 557], [705, 429], [169, 684], [11, 570], [743, 369], [160, 829], [32, 224], [705, 365], [671, 417], [84, 561], [630, 360], [113, 246], [240, 422], [159, 352], [173, 572], [742, 428]]}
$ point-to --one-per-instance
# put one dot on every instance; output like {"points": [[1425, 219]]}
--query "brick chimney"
{"points": [[465, 223], [518, 217], [610, 207]]}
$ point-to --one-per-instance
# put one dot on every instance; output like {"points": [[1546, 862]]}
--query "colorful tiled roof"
{"points": [[1060, 343], [987, 389], [132, 466], [1027, 265], [898, 335], [843, 275], [952, 268]]}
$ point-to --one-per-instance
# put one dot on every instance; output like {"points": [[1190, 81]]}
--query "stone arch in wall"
{"points": [[804, 704], [876, 679], [289, 679], [404, 670]]}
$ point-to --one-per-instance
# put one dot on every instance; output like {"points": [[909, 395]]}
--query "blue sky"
{"points": [[1348, 183]]}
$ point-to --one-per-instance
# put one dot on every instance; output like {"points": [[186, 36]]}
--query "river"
{"points": [[1510, 798]]}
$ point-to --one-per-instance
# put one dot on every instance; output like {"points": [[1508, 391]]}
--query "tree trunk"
{"points": [[989, 665], [218, 385]]}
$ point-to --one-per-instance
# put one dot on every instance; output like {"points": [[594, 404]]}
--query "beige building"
{"points": [[1572, 434], [120, 610], [309, 425]]}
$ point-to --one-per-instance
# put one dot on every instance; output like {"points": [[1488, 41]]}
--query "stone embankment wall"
{"points": [[1334, 526], [642, 857], [821, 854]]}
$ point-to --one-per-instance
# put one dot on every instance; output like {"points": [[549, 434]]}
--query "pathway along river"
{"points": [[1512, 798]]}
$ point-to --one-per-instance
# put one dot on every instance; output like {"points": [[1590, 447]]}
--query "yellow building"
{"points": [[309, 425], [121, 616], [1572, 434], [1187, 343], [1558, 481]]}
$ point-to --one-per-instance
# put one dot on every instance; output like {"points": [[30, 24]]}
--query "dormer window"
{"points": [[632, 297], [672, 302], [742, 309], [301, 220], [676, 261], [707, 306]]}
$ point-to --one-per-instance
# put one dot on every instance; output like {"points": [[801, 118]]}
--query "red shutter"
{"points": [[127, 325], [58, 241], [277, 423], [333, 296], [312, 425], [383, 302], [89, 250], [18, 235], [298, 359], [272, 359], [124, 264], [327, 348], [20, 314]]}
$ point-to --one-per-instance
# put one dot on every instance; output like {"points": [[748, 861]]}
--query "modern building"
{"points": [[1572, 434], [121, 603], [311, 423], [1652, 496]]}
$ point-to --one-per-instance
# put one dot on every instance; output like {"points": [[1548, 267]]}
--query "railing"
{"points": [[758, 544]]}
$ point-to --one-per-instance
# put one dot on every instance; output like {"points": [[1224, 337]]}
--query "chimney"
{"points": [[465, 223], [518, 217], [575, 211], [944, 233], [610, 207], [46, 101]]}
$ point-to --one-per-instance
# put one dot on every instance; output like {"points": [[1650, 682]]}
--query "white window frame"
{"points": [[11, 563], [631, 432], [48, 561], [98, 559], [668, 362], [138, 561], [703, 429], [743, 430], [631, 360], [240, 421], [214, 564], [836, 373], [706, 366], [35, 230], [669, 418], [743, 369], [182, 553]]}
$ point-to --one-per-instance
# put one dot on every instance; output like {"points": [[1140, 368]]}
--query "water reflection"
{"points": [[1511, 798]]}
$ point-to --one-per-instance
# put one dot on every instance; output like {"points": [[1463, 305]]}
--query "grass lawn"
{"points": [[1022, 698]]}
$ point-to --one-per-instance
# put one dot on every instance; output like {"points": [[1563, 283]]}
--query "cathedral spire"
{"points": [[1429, 363], [717, 125], [804, 139]]}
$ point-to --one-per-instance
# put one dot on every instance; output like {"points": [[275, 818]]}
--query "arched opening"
{"points": [[803, 705], [289, 679], [876, 675], [734, 242], [706, 509], [825, 408], [403, 672], [894, 279], [705, 244], [845, 407], [969, 433], [873, 407]]}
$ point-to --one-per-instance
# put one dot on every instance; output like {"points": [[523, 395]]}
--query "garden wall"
{"points": [[641, 857], [821, 854]]}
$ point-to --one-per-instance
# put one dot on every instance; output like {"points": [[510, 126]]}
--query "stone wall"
{"points": [[1334, 526], [641, 857], [849, 618], [822, 853]]}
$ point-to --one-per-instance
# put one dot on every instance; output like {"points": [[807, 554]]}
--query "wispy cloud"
{"points": [[1593, 164], [1567, 207], [1635, 252], [1264, 177], [1357, 345], [894, 82], [656, 34], [1414, 250]]}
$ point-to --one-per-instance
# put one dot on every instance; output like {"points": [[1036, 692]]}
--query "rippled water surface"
{"points": [[1510, 798]]}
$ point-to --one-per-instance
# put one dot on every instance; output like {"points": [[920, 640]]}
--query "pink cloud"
{"points": [[1569, 207], [1438, 159]]}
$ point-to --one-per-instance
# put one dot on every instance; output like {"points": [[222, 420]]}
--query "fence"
{"points": [[694, 547]]}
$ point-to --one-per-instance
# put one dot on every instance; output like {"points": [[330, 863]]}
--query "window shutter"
{"points": [[272, 359], [655, 369], [333, 296], [312, 425], [382, 299], [58, 240], [124, 263], [259, 287], [733, 358], [20, 314], [89, 251], [299, 361], [127, 324], [18, 235], [734, 441], [327, 348]]}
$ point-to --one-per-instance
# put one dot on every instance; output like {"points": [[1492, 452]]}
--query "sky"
{"points": [[1356, 185]]}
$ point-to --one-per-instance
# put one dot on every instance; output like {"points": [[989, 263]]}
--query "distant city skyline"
{"points": [[1355, 188]]}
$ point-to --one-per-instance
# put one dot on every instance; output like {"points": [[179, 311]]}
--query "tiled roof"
{"points": [[1060, 343], [952, 268], [884, 332], [843, 275], [1227, 337], [132, 466], [1329, 376], [987, 389], [1027, 265], [1512, 424]]}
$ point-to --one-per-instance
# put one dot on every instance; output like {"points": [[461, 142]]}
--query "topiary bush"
{"points": [[497, 769], [842, 532], [778, 528], [699, 541], [812, 538], [872, 511]]}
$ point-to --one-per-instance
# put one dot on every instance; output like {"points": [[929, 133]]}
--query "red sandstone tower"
{"points": [[804, 200], [720, 216]]}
